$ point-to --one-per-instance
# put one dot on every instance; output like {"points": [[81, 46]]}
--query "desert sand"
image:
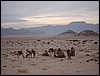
{"points": [[85, 61]]}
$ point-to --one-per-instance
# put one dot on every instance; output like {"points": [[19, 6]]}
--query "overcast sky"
{"points": [[22, 14]]}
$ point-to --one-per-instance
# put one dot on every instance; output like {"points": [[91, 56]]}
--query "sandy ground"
{"points": [[85, 62]]}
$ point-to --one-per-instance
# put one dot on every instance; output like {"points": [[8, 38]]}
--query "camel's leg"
{"points": [[31, 55], [26, 55], [69, 58], [34, 54], [23, 55], [18, 56]]}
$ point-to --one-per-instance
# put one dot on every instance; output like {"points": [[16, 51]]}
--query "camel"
{"points": [[45, 53], [58, 53], [68, 54], [51, 50], [72, 52], [34, 53], [19, 53], [31, 52]]}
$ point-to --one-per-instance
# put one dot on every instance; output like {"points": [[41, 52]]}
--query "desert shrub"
{"points": [[38, 40], [4, 66], [84, 41], [75, 40], [44, 69], [70, 40], [48, 42], [74, 43], [87, 54], [12, 42], [43, 42], [95, 42], [52, 40], [91, 40]]}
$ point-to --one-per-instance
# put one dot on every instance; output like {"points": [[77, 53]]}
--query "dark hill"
{"points": [[88, 33]]}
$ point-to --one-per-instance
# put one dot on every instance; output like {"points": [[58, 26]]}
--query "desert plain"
{"points": [[85, 61]]}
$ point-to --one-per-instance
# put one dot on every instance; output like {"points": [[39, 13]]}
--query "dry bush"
{"points": [[44, 69]]}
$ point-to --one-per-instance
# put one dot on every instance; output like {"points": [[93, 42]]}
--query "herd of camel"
{"points": [[58, 53]]}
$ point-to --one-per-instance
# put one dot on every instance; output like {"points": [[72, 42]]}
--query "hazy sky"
{"points": [[22, 14]]}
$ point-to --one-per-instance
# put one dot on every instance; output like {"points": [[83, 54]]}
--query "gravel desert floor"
{"points": [[85, 61]]}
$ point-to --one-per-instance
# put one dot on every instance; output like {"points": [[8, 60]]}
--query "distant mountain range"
{"points": [[11, 31], [51, 30]]}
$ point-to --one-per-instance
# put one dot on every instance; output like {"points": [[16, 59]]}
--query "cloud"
{"points": [[57, 12], [8, 20], [55, 16]]}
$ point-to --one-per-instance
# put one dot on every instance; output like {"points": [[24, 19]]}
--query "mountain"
{"points": [[11, 31], [68, 32], [51, 29], [80, 26], [88, 33]]}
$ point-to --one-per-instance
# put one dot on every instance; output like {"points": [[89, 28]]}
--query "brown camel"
{"points": [[31, 52], [68, 54], [19, 53], [72, 52], [59, 53]]}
